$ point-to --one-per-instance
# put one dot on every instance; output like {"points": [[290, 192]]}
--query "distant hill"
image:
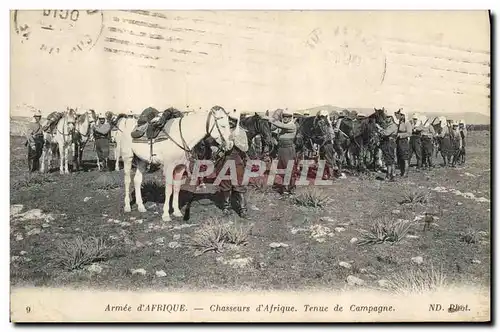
{"points": [[468, 117]]}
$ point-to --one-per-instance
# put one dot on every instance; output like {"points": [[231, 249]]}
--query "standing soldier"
{"points": [[463, 136], [34, 141], [402, 142], [428, 134], [286, 147], [388, 145], [416, 140], [102, 135], [237, 153]]}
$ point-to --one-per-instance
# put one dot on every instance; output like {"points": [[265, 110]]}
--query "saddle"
{"points": [[113, 121], [52, 120], [151, 123]]}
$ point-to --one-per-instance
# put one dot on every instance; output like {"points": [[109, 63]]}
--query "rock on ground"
{"points": [[355, 281], [417, 260]]}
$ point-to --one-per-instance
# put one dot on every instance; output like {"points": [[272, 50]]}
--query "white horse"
{"points": [[124, 125], [63, 136], [184, 133]]}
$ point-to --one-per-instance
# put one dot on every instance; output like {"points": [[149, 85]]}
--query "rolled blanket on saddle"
{"points": [[151, 122]]}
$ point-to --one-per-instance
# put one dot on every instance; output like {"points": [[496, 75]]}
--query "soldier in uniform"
{"points": [[403, 142], [388, 145], [102, 135], [416, 140], [463, 136], [427, 136], [237, 153], [34, 141], [286, 147]]}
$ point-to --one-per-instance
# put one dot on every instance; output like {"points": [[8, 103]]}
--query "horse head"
{"points": [[379, 115], [71, 118], [218, 126]]}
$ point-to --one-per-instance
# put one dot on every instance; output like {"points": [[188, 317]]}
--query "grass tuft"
{"points": [[417, 280], [214, 234], [415, 197], [311, 198], [76, 253], [385, 231]]}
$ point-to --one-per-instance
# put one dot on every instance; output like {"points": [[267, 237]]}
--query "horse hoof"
{"points": [[141, 208], [166, 218], [127, 209], [178, 214]]}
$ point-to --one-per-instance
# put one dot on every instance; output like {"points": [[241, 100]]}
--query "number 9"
{"points": [[28, 309]]}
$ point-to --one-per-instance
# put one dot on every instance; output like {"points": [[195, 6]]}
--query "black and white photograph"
{"points": [[250, 165]]}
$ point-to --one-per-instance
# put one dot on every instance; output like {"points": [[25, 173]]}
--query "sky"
{"points": [[253, 61]]}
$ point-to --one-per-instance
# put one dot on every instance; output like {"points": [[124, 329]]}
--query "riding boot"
{"points": [[226, 205], [241, 203]]}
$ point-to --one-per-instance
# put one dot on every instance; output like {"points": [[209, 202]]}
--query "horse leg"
{"points": [[42, 164], [168, 192], [61, 158], [177, 188], [127, 168], [141, 168], [98, 162], [117, 155], [66, 161]]}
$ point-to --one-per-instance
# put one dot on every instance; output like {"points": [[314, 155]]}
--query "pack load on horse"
{"points": [[151, 122], [51, 123], [182, 134]]}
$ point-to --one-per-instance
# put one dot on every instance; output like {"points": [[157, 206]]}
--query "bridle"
{"points": [[208, 129]]}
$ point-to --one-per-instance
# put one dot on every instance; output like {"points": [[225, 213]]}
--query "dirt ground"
{"points": [[283, 246]]}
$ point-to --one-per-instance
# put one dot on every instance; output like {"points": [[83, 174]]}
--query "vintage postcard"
{"points": [[250, 166]]}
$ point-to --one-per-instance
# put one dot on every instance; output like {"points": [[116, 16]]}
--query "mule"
{"points": [[183, 133]]}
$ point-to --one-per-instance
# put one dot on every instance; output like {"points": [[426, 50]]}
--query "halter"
{"points": [[71, 132], [91, 120]]}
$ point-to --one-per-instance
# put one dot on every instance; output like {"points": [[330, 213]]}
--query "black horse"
{"points": [[315, 132], [357, 140], [256, 125]]}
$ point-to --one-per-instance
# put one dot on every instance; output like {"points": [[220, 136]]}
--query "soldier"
{"points": [[102, 135], [416, 140], [388, 145], [463, 136], [402, 142], [427, 137], [237, 153], [286, 147], [34, 141]]}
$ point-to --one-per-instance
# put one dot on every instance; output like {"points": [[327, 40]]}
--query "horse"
{"points": [[357, 139], [83, 133], [49, 150], [311, 131], [123, 125], [256, 125], [63, 137], [183, 133]]}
